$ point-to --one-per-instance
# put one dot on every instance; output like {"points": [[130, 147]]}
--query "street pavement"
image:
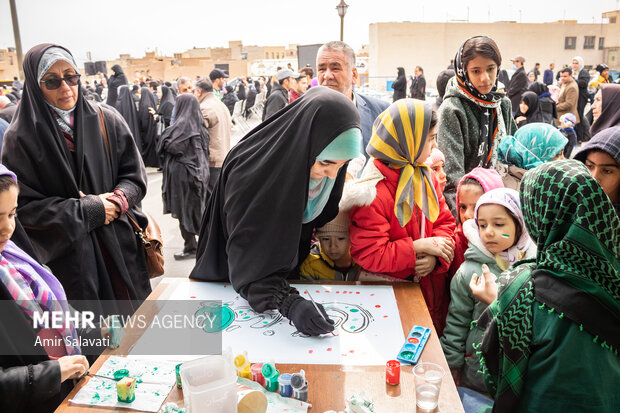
{"points": [[171, 235]]}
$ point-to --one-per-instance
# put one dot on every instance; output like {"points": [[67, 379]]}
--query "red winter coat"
{"points": [[459, 250], [380, 245]]}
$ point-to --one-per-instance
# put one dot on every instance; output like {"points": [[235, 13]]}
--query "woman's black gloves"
{"points": [[305, 317]]}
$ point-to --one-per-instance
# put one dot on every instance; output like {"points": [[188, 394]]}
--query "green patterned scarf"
{"points": [[577, 232]]}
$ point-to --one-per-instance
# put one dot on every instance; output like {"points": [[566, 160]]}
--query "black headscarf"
{"points": [[127, 108], [533, 113], [166, 104], [184, 148], [115, 81], [252, 233], [148, 128], [93, 261]]}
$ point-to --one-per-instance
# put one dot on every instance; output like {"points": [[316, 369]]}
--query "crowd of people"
{"points": [[516, 249]]}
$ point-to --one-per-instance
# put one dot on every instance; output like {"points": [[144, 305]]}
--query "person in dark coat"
{"points": [[76, 189], [230, 98], [278, 98], [251, 98], [582, 77], [115, 81], [241, 90], [278, 184], [166, 105], [547, 105], [529, 110], [127, 108], [400, 85], [442, 82], [418, 84], [184, 149], [517, 84], [148, 128]]}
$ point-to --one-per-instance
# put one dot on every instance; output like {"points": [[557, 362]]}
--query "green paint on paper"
{"points": [[354, 310]]}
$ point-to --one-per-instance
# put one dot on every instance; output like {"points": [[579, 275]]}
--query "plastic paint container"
{"points": [[209, 384], [286, 390], [392, 372], [257, 374], [271, 376], [243, 366], [300, 386]]}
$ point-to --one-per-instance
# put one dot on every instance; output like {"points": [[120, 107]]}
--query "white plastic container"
{"points": [[210, 385]]}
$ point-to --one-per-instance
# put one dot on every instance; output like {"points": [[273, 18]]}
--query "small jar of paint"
{"points": [[271, 376], [286, 390], [243, 366], [392, 372], [176, 369], [300, 386], [257, 374]]}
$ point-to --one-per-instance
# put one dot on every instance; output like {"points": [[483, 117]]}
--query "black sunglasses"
{"points": [[55, 82]]}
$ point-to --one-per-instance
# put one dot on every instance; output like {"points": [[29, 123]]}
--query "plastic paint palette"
{"points": [[414, 344]]}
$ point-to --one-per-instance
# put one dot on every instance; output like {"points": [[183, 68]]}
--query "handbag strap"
{"points": [[137, 229]]}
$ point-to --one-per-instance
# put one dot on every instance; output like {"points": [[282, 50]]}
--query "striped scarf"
{"points": [[398, 137], [33, 295]]}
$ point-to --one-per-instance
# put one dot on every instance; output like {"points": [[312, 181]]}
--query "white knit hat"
{"points": [[339, 226]]}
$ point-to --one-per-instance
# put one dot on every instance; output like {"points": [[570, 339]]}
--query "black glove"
{"points": [[305, 317]]}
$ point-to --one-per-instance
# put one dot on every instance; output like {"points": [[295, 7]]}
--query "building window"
{"points": [[570, 43], [11, 60], [612, 20], [601, 43], [588, 42]]}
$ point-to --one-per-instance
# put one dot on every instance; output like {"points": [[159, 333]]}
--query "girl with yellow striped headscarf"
{"points": [[398, 136], [400, 226]]}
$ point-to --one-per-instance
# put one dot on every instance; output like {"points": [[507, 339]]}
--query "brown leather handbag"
{"points": [[151, 235]]}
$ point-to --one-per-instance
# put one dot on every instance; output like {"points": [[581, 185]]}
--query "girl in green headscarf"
{"points": [[551, 341], [532, 145]]}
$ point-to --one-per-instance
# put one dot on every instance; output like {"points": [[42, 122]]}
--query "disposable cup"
{"points": [[428, 378]]}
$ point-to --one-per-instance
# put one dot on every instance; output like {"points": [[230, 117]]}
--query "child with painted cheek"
{"points": [[497, 240], [471, 187]]}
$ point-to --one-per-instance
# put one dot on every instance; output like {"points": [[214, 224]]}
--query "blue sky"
{"points": [[174, 26]]}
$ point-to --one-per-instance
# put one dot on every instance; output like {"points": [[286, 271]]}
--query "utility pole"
{"points": [[18, 40]]}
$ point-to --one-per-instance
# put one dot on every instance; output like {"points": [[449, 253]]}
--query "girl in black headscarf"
{"points": [[166, 104], [184, 148], [547, 105], [148, 128], [277, 184], [529, 111], [75, 190], [126, 107], [400, 85], [115, 81]]}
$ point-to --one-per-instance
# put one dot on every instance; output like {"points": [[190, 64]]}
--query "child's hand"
{"points": [[424, 265], [484, 288], [437, 246]]}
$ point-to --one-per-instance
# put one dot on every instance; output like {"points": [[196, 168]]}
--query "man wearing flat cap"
{"points": [[278, 98], [217, 77], [517, 84]]}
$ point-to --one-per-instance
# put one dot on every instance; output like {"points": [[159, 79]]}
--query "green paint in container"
{"points": [[176, 369]]}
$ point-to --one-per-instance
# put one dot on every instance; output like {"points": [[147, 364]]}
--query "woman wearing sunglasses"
{"points": [[77, 183]]}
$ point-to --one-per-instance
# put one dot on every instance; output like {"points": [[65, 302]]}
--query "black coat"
{"points": [[241, 91], [252, 232], [93, 261], [117, 80], [184, 148], [148, 128], [516, 87], [126, 106], [418, 88], [400, 87], [166, 105], [278, 98], [229, 99]]}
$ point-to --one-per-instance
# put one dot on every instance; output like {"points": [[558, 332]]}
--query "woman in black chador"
{"points": [[115, 81], [148, 128], [184, 150], [281, 181], [76, 190]]}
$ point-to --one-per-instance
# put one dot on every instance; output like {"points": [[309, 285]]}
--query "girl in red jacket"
{"points": [[471, 187], [401, 228]]}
